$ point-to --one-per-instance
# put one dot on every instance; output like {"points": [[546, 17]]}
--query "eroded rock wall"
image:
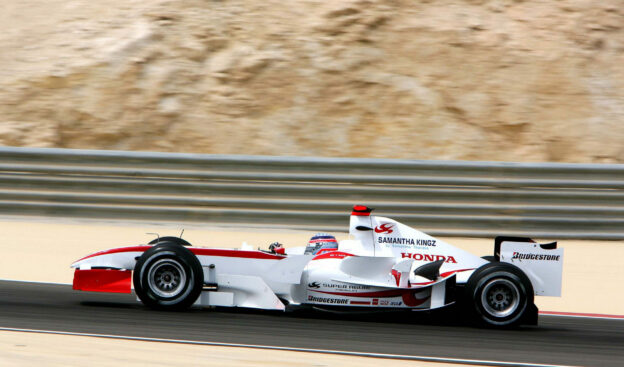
{"points": [[444, 79]]}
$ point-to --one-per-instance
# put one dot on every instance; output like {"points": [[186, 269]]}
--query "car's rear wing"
{"points": [[542, 263]]}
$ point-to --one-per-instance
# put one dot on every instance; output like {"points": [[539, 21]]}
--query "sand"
{"points": [[18, 349]]}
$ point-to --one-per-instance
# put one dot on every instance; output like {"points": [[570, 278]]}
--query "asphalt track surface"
{"points": [[557, 340]]}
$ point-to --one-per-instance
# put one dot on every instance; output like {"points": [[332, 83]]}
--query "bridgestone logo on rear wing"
{"points": [[519, 256]]}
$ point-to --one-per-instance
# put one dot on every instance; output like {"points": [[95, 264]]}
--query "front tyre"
{"points": [[176, 240], [168, 276], [499, 295]]}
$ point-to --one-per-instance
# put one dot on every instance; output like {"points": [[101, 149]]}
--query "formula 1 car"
{"points": [[385, 265]]}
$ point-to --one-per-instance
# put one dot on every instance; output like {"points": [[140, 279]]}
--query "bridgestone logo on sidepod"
{"points": [[328, 300], [519, 256]]}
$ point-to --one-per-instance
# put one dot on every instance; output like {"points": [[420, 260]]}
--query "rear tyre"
{"points": [[168, 276], [499, 295]]}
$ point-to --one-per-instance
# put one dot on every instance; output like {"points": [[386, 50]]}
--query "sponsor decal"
{"points": [[375, 301], [343, 287], [428, 257], [431, 243], [540, 257], [332, 255], [394, 241], [384, 228], [333, 301], [384, 302]]}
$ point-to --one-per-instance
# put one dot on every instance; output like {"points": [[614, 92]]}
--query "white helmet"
{"points": [[321, 241]]}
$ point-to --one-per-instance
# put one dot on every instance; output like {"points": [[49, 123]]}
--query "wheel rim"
{"points": [[500, 298], [166, 278]]}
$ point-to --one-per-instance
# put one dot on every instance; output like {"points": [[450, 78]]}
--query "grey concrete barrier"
{"points": [[441, 197]]}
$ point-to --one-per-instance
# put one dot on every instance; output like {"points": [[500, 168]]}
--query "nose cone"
{"points": [[81, 264]]}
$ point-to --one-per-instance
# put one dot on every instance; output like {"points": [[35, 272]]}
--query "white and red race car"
{"points": [[385, 265]]}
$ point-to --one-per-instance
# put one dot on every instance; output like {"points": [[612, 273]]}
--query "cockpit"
{"points": [[321, 242]]}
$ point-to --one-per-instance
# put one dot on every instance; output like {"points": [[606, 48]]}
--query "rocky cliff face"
{"points": [[445, 79]]}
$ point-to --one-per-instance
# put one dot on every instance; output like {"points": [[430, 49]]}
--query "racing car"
{"points": [[383, 266]]}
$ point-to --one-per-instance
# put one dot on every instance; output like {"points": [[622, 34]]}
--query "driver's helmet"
{"points": [[321, 241]]}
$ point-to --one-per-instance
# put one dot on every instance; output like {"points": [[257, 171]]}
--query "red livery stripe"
{"points": [[445, 274], [118, 250], [196, 251], [397, 276], [378, 294], [325, 250], [235, 253], [332, 255]]}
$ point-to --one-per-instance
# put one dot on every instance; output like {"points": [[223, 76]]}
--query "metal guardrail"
{"points": [[482, 199]]}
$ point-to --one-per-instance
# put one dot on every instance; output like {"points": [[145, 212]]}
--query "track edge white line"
{"points": [[291, 349]]}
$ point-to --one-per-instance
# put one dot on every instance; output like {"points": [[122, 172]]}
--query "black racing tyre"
{"points": [[168, 276], [177, 240], [498, 295]]}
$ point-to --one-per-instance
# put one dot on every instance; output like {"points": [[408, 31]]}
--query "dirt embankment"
{"points": [[449, 79]]}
